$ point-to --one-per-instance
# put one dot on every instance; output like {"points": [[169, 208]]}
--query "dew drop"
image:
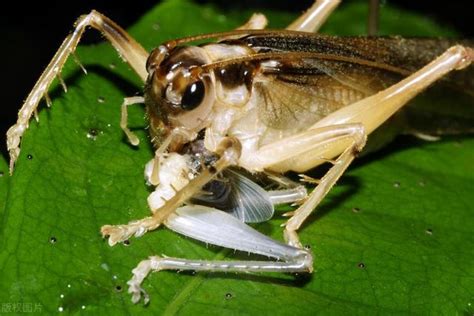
{"points": [[126, 242], [61, 296], [421, 183], [361, 265], [112, 66], [30, 156], [396, 184], [83, 306], [114, 277], [429, 231], [355, 209], [53, 240], [228, 296], [60, 309], [155, 26], [101, 99], [118, 288], [1, 174], [69, 286]]}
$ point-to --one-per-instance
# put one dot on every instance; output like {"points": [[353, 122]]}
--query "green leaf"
{"points": [[395, 236]]}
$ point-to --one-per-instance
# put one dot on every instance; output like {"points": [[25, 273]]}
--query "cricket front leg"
{"points": [[127, 47], [229, 151], [215, 227]]}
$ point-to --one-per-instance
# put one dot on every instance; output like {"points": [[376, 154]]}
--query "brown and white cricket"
{"points": [[260, 101]]}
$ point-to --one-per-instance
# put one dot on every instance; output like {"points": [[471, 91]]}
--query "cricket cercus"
{"points": [[261, 102]]}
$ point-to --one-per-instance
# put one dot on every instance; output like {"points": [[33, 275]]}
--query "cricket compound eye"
{"points": [[193, 95]]}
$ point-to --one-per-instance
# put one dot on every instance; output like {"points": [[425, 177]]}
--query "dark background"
{"points": [[31, 33]]}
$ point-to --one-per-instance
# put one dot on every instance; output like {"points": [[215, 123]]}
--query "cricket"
{"points": [[230, 117]]}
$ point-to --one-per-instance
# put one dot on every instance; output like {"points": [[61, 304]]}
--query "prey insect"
{"points": [[260, 101]]}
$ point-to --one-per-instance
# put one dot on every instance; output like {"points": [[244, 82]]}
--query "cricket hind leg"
{"points": [[314, 17], [351, 136], [126, 46], [371, 113], [340, 165], [219, 228]]}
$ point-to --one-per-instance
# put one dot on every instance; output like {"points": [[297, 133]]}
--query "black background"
{"points": [[30, 34]]}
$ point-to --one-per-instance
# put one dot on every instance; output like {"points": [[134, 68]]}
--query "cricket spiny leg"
{"points": [[127, 47], [376, 109], [372, 112], [325, 184], [314, 17], [229, 152]]}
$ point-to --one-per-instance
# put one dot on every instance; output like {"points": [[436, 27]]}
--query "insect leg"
{"points": [[132, 138], [352, 135], [257, 21], [376, 109], [311, 140], [229, 152], [126, 46], [324, 186], [219, 228], [314, 17], [295, 194]]}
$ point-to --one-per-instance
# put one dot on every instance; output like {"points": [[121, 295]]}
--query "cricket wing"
{"points": [[239, 196]]}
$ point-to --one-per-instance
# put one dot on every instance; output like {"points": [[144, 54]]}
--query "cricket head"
{"points": [[177, 93]]}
